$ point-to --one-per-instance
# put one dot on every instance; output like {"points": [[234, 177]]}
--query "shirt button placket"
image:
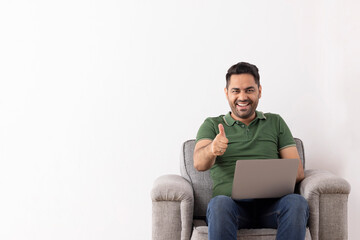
{"points": [[248, 134]]}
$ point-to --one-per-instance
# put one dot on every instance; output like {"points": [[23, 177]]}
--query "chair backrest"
{"points": [[201, 181]]}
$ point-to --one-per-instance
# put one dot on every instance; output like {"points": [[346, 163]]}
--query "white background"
{"points": [[96, 98]]}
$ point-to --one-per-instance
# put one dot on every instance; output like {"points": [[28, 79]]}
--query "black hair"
{"points": [[243, 67]]}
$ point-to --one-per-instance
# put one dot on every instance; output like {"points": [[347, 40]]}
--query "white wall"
{"points": [[96, 98]]}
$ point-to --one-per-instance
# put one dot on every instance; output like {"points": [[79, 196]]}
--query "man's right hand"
{"points": [[220, 142], [207, 150]]}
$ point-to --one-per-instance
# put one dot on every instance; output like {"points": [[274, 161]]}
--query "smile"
{"points": [[242, 104]]}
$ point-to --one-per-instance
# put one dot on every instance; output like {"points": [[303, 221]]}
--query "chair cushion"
{"points": [[200, 232], [201, 181]]}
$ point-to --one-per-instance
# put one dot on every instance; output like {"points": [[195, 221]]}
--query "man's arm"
{"points": [[292, 152], [207, 150], [204, 159]]}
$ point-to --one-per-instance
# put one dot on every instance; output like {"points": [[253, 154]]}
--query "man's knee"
{"points": [[296, 201], [295, 204], [220, 202], [220, 205]]}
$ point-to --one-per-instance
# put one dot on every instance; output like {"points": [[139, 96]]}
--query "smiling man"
{"points": [[245, 133]]}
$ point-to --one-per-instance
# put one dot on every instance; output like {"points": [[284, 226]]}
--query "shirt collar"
{"points": [[230, 121]]}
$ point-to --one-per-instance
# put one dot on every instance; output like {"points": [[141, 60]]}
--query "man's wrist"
{"points": [[210, 150]]}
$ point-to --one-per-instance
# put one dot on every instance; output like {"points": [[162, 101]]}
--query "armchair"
{"points": [[179, 203]]}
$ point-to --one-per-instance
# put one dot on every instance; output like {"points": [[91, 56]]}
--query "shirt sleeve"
{"points": [[206, 130], [285, 137]]}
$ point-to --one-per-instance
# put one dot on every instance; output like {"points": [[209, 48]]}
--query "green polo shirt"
{"points": [[265, 136]]}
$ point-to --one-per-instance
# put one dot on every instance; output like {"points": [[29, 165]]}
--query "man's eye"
{"points": [[250, 90]]}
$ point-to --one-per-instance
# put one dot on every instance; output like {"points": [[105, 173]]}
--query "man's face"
{"points": [[243, 95]]}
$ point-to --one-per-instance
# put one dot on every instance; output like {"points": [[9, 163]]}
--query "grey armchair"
{"points": [[179, 203]]}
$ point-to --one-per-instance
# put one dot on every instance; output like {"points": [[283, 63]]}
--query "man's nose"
{"points": [[243, 96]]}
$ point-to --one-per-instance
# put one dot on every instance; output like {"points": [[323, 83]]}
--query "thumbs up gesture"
{"points": [[220, 143]]}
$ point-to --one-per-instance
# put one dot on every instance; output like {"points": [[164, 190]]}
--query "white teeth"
{"points": [[243, 105]]}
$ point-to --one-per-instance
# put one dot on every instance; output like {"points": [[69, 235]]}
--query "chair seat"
{"points": [[200, 232]]}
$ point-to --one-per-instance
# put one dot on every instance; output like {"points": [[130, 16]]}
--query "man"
{"points": [[245, 133]]}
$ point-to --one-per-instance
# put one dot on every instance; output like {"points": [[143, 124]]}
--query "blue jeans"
{"points": [[288, 214]]}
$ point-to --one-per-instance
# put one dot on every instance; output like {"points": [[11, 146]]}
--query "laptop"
{"points": [[264, 178]]}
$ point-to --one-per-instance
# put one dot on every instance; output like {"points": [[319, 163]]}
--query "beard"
{"points": [[244, 112]]}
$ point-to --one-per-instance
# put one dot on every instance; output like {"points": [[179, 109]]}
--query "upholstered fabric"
{"points": [[179, 203], [172, 208], [201, 181], [327, 196], [300, 148], [200, 232]]}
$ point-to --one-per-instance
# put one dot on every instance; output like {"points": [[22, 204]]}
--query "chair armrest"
{"points": [[327, 196], [172, 208], [322, 182]]}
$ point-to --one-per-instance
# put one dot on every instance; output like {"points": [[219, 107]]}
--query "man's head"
{"points": [[243, 67], [243, 91]]}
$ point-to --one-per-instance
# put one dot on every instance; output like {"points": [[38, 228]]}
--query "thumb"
{"points": [[221, 130]]}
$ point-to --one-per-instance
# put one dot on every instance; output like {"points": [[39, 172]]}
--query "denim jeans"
{"points": [[288, 215]]}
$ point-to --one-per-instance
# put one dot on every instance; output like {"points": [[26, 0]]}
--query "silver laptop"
{"points": [[264, 178]]}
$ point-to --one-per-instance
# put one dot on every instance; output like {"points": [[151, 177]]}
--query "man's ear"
{"points": [[260, 90], [226, 93]]}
